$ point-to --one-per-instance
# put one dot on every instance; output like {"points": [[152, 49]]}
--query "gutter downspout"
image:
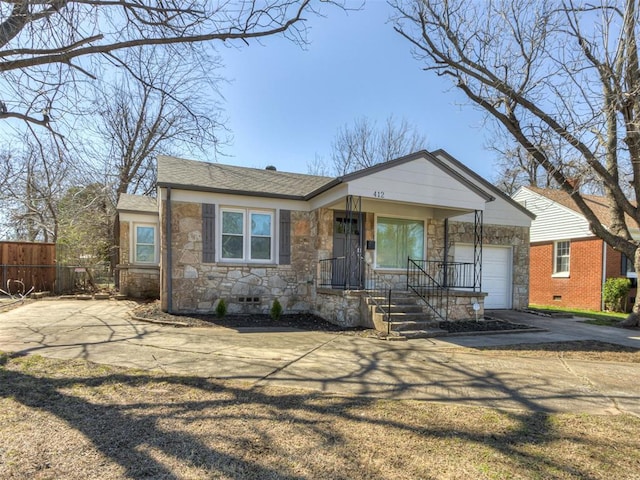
{"points": [[168, 267], [604, 274]]}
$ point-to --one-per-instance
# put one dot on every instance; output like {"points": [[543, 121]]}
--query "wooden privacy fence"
{"points": [[33, 264]]}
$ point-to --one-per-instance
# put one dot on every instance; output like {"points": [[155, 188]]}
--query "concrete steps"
{"points": [[408, 318]]}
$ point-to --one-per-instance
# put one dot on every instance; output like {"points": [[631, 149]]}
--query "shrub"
{"points": [[276, 310], [221, 308], [615, 291]]}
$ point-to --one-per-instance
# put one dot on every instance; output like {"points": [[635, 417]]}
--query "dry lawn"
{"points": [[591, 350], [77, 420]]}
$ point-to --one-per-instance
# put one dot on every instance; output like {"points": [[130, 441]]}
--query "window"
{"points": [[145, 244], [628, 269], [561, 258], [398, 239], [246, 235]]}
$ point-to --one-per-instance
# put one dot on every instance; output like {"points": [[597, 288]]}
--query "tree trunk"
{"points": [[633, 320]]}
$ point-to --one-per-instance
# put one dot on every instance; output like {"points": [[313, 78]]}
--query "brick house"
{"points": [[422, 226], [569, 264]]}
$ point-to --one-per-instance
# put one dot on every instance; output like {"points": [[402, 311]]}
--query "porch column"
{"points": [[477, 251]]}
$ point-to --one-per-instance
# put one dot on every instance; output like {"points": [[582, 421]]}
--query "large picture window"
{"points": [[247, 235], [398, 239], [561, 257], [145, 244]]}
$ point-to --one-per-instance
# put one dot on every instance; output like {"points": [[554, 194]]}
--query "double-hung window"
{"points": [[145, 244], [398, 239], [561, 256], [246, 235]]}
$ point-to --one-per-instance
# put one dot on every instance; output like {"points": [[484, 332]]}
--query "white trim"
{"points": [[562, 273], [246, 235], [133, 236]]}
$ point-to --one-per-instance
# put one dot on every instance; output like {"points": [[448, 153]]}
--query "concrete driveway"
{"points": [[426, 369]]}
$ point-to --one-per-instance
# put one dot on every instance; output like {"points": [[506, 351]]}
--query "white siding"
{"points": [[419, 181], [499, 212], [553, 221]]}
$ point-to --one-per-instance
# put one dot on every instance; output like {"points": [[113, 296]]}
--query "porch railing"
{"points": [[425, 285], [340, 272], [379, 292], [448, 274]]}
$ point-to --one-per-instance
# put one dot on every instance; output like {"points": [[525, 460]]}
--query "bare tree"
{"points": [[552, 75], [38, 177], [364, 144], [319, 166], [50, 49], [164, 106]]}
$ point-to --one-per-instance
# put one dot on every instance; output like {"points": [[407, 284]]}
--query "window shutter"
{"points": [[285, 237], [208, 233]]}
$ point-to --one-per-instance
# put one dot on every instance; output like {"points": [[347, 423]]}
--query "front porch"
{"points": [[415, 300]]}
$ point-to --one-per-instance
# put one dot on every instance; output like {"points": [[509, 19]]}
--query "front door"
{"points": [[347, 250]]}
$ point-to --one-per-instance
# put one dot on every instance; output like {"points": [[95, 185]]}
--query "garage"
{"points": [[496, 273]]}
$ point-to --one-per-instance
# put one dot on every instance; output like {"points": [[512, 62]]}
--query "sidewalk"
{"points": [[426, 369]]}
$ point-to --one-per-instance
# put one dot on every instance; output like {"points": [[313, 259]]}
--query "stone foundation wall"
{"points": [[140, 282], [461, 305], [340, 307]]}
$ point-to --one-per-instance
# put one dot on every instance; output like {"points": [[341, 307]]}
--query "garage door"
{"points": [[496, 273]]}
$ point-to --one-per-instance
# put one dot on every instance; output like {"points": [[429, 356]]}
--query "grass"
{"points": [[608, 319], [75, 419]]}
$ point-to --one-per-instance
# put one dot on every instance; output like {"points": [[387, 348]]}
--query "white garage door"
{"points": [[496, 273]]}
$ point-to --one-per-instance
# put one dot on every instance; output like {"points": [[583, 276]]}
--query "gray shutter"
{"points": [[208, 233], [285, 237]]}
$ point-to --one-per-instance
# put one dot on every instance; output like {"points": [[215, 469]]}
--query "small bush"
{"points": [[276, 310], [221, 308], [615, 292]]}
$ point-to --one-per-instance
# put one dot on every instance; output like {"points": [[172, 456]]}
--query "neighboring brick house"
{"points": [[320, 244], [569, 264]]}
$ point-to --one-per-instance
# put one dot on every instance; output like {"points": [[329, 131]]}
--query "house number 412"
{"points": [[378, 194]]}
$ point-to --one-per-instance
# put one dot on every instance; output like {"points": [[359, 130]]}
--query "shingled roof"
{"points": [[137, 203], [597, 204], [193, 175]]}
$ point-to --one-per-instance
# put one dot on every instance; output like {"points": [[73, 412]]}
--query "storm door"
{"points": [[348, 266]]}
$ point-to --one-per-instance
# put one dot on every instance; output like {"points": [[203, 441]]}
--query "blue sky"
{"points": [[285, 104]]}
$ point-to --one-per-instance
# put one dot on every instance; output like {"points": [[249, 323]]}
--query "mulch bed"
{"points": [[303, 321], [470, 326]]}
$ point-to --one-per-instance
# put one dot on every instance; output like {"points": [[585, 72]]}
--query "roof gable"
{"points": [[598, 204], [419, 179], [554, 221]]}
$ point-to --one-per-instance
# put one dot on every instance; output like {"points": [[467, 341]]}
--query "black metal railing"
{"points": [[449, 274], [333, 273], [379, 292], [421, 282]]}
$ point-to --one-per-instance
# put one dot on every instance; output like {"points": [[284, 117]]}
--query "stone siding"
{"points": [[340, 307], [245, 287]]}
